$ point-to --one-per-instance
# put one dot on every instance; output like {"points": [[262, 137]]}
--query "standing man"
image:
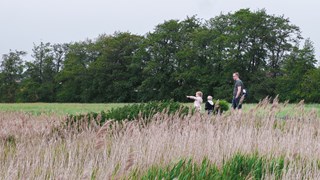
{"points": [[237, 92]]}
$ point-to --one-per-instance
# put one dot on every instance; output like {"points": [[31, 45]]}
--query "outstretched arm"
{"points": [[191, 97]]}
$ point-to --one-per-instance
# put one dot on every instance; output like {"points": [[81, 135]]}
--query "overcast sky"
{"points": [[24, 22]]}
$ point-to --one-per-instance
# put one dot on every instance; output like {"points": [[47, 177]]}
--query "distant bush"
{"points": [[146, 110], [98, 118], [130, 112], [221, 105]]}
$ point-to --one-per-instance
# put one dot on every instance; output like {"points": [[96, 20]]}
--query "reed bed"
{"points": [[43, 147]]}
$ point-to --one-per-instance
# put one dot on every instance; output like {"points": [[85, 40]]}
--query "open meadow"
{"points": [[80, 108], [268, 141], [57, 108]]}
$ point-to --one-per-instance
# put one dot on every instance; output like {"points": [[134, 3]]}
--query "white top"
{"points": [[197, 102]]}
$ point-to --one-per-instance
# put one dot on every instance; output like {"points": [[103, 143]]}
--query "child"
{"points": [[197, 100], [209, 105]]}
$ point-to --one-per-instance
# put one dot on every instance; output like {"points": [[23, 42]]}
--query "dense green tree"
{"points": [[39, 80], [177, 59], [173, 66], [38, 83], [295, 69], [310, 86], [254, 44], [11, 75], [74, 78], [116, 74], [104, 70]]}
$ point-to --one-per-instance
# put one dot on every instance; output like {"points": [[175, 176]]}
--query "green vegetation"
{"points": [[58, 108], [240, 167], [146, 110], [131, 112], [83, 108], [142, 110], [222, 106], [178, 58]]}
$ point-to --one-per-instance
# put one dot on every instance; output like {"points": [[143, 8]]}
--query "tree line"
{"points": [[178, 58]]}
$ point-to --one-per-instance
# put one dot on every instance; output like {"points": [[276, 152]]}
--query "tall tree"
{"points": [[170, 51], [310, 86], [254, 44], [292, 86], [39, 81], [11, 75], [74, 78], [116, 73], [177, 58]]}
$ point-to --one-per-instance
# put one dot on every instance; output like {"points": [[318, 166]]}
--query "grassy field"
{"points": [[79, 108], [57, 108]]}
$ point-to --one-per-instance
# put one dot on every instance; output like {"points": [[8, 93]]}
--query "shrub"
{"points": [[78, 120], [146, 110], [130, 112], [221, 105]]}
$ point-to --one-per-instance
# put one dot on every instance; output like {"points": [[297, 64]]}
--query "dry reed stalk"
{"points": [[117, 148]]}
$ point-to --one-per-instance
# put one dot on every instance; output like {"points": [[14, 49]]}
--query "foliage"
{"points": [[309, 83], [10, 76], [222, 106], [178, 58], [298, 65], [86, 119], [240, 166], [131, 112], [146, 110]]}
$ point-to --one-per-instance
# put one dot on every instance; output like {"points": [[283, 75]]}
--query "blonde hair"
{"points": [[199, 93], [237, 74]]}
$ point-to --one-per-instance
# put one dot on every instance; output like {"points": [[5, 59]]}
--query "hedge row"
{"points": [[145, 110]]}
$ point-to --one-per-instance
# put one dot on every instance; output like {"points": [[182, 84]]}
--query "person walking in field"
{"points": [[237, 92], [197, 100]]}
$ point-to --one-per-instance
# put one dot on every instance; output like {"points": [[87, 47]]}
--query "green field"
{"points": [[78, 108], [58, 108]]}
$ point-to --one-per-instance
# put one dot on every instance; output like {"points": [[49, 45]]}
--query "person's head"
{"points": [[209, 98], [199, 93], [235, 76]]}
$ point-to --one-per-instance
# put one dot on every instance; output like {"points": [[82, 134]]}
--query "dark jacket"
{"points": [[209, 106]]}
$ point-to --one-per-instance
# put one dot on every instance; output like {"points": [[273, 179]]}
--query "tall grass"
{"points": [[256, 144], [238, 167]]}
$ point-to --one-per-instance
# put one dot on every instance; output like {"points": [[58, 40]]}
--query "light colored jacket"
{"points": [[197, 102]]}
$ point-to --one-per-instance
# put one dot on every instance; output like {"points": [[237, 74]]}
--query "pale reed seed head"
{"points": [[43, 146]]}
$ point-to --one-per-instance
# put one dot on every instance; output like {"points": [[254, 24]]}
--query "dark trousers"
{"points": [[235, 103]]}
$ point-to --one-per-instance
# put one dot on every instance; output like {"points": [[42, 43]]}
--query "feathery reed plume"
{"points": [[129, 162], [40, 147], [101, 134]]}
